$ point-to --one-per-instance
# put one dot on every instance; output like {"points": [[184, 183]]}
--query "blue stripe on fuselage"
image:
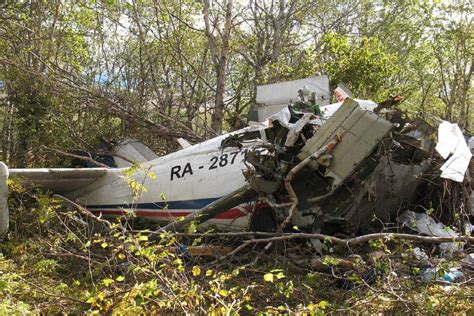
{"points": [[171, 205]]}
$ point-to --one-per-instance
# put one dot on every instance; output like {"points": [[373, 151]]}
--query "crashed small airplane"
{"points": [[332, 166]]}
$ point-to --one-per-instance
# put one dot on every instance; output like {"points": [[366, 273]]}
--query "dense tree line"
{"points": [[76, 73]]}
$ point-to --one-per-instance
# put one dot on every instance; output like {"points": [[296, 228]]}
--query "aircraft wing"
{"points": [[58, 180]]}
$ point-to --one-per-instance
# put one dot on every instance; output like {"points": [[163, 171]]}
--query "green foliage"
{"points": [[363, 63]]}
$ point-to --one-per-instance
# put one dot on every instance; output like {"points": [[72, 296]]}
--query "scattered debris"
{"points": [[451, 143], [423, 223], [421, 256], [467, 263], [433, 274]]}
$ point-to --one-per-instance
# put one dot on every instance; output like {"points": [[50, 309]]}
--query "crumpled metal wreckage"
{"points": [[343, 171]]}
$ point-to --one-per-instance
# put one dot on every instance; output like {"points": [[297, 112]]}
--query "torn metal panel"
{"points": [[425, 224], [362, 132], [385, 181], [377, 196], [451, 143], [329, 110], [342, 92], [294, 133]]}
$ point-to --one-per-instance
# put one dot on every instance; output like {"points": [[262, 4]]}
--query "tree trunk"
{"points": [[220, 60], [463, 119]]}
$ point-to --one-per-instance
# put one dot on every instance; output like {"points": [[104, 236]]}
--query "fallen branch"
{"points": [[232, 253], [95, 162], [203, 250], [84, 211], [71, 255], [362, 239], [56, 296], [335, 240], [272, 237]]}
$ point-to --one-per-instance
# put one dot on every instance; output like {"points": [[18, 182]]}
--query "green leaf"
{"points": [[268, 277], [323, 304], [196, 270], [142, 238], [107, 282], [223, 292], [3, 285], [192, 227]]}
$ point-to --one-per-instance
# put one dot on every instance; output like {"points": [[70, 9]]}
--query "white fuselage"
{"points": [[174, 185]]}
